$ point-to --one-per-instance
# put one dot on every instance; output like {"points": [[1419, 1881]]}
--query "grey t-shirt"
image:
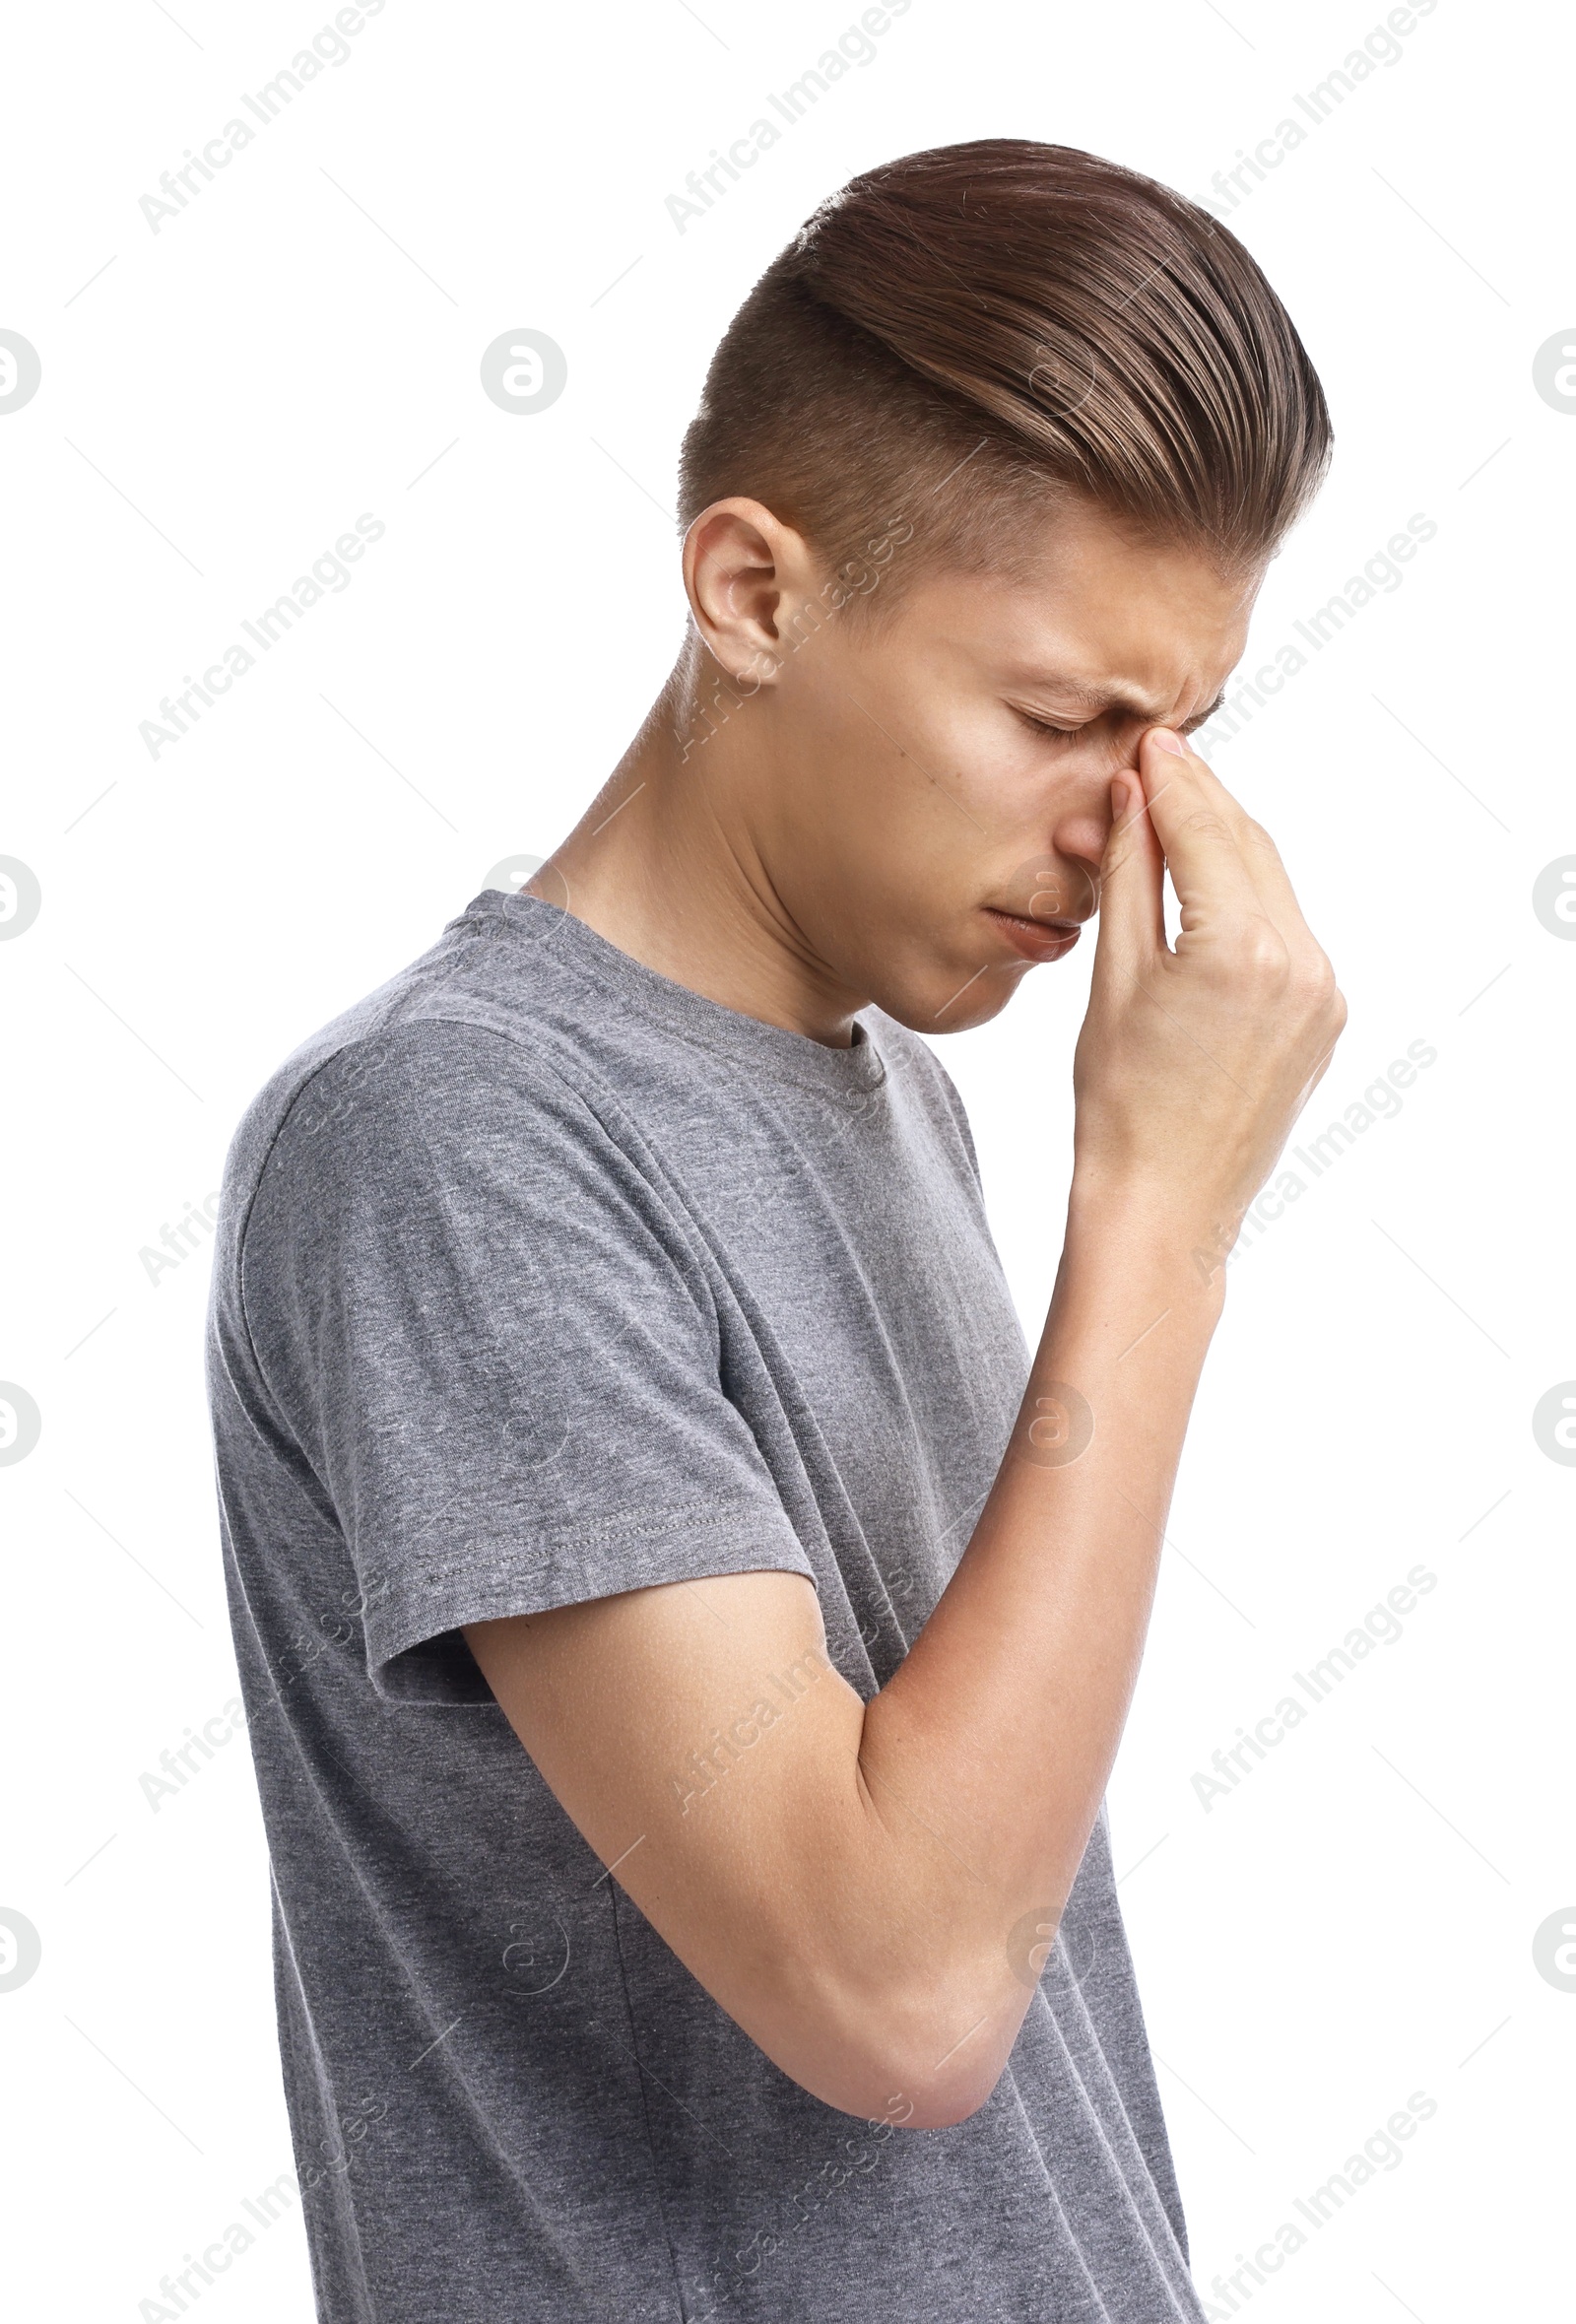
{"points": [[540, 1277]]}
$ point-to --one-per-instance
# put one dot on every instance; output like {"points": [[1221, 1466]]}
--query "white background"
{"points": [[219, 400]]}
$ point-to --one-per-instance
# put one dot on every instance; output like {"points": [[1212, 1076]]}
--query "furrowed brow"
{"points": [[1094, 697], [1098, 699]]}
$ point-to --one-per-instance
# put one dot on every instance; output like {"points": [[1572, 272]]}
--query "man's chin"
{"points": [[953, 1000]]}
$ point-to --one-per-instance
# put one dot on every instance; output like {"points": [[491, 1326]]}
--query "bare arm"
{"points": [[868, 1888]]}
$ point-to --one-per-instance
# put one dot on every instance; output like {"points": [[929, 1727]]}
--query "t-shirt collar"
{"points": [[575, 949]]}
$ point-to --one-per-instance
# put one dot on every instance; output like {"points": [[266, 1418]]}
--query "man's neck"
{"points": [[664, 864]]}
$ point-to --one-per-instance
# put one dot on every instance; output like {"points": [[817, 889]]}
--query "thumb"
{"points": [[1132, 876]]}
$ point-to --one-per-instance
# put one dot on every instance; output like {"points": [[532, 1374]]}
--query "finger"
{"points": [[1192, 816], [1263, 859], [1132, 879]]}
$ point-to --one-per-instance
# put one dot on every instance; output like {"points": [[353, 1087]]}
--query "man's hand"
{"points": [[1193, 1064]]}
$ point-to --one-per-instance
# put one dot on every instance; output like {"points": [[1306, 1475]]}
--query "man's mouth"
{"points": [[1037, 939]]}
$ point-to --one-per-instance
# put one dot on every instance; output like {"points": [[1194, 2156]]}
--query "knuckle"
{"points": [[1316, 981], [1204, 822], [1260, 951]]}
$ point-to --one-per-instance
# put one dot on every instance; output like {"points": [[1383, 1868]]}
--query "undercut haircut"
{"points": [[962, 339]]}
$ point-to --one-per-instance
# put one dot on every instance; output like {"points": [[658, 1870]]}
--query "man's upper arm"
{"points": [[705, 1746], [497, 1346]]}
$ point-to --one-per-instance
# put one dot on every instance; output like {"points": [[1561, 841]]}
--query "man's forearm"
{"points": [[872, 1896], [986, 1756]]}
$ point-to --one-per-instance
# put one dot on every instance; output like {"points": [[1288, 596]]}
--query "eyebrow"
{"points": [[1117, 698]]}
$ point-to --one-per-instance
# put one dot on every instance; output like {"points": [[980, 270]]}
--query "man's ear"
{"points": [[739, 563]]}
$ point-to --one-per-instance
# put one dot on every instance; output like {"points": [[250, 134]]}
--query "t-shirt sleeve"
{"points": [[488, 1324]]}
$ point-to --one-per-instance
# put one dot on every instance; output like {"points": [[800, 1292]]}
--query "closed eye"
{"points": [[1139, 718], [1202, 717], [1049, 726]]}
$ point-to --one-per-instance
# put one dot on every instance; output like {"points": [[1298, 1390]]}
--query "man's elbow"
{"points": [[919, 2060], [916, 2094]]}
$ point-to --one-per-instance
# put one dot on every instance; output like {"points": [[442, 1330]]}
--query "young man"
{"points": [[685, 1633]]}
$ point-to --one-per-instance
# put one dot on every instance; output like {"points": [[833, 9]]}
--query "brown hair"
{"points": [[963, 332]]}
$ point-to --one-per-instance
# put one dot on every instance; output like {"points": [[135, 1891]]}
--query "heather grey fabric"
{"points": [[540, 1277]]}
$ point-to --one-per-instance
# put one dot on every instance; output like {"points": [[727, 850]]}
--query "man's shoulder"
{"points": [[475, 1023]]}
